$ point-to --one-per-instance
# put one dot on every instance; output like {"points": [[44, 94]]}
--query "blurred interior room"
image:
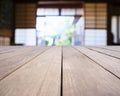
{"points": [[59, 22], [59, 48]]}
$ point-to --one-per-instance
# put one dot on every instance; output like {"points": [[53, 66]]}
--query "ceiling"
{"points": [[60, 3], [68, 0]]}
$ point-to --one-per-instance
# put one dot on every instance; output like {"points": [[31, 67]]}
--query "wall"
{"points": [[6, 20]]}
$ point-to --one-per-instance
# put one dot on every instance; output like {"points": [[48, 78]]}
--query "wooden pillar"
{"points": [[12, 40], [109, 23]]}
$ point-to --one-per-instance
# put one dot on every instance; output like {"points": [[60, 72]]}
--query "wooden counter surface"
{"points": [[60, 71]]}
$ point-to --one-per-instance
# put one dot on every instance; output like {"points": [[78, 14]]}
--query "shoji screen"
{"points": [[95, 23], [5, 35], [25, 15], [90, 15], [95, 15], [101, 15], [4, 41]]}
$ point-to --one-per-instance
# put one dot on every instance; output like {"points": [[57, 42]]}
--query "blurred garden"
{"points": [[55, 31]]}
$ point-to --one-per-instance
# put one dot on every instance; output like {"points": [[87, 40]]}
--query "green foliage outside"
{"points": [[66, 38]]}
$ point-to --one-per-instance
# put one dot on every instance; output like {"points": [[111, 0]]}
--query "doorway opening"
{"points": [[59, 27], [58, 31]]}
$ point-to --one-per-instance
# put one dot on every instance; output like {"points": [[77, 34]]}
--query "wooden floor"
{"points": [[60, 71]]}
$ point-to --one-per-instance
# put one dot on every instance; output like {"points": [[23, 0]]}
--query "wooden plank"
{"points": [[23, 50], [106, 51], [112, 48], [83, 77], [107, 62], [39, 77], [6, 49], [9, 65]]}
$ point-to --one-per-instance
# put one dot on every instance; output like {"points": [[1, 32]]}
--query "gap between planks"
{"points": [[109, 48], [19, 66], [41, 77], [82, 77], [99, 64], [61, 90], [108, 52]]}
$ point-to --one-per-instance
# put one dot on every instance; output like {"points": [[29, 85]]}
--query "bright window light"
{"points": [[25, 37], [95, 37], [47, 11], [68, 12]]}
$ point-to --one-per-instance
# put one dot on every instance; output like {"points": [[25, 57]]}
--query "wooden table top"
{"points": [[60, 71]]}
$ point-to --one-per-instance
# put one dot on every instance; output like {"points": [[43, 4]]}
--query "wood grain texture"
{"points": [[106, 51], [108, 62], [39, 77], [59, 71], [113, 48], [83, 77], [7, 66], [16, 52], [7, 49]]}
